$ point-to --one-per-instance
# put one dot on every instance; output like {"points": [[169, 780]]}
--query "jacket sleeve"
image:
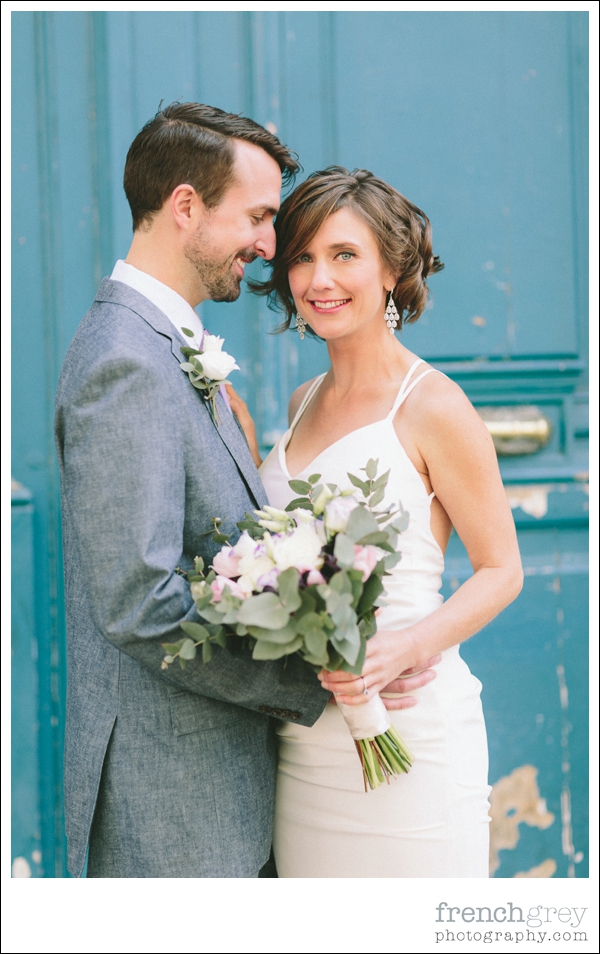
{"points": [[121, 446]]}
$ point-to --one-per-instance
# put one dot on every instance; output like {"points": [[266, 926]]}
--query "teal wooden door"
{"points": [[479, 118]]}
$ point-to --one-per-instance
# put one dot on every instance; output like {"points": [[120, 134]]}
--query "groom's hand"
{"points": [[408, 681]]}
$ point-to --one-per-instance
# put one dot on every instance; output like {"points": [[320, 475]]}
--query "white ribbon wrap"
{"points": [[368, 720]]}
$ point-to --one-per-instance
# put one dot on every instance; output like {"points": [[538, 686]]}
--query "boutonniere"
{"points": [[207, 367]]}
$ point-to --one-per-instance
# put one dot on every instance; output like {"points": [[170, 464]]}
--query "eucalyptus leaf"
{"points": [[300, 486], [402, 522], [220, 537], [299, 503], [188, 333], [343, 550], [340, 582], [279, 636], [361, 484], [314, 479], [377, 497], [287, 584], [392, 559], [206, 652], [371, 468], [188, 650], [264, 650], [348, 649], [360, 523], [220, 638], [263, 610], [210, 613], [198, 564], [186, 366], [381, 481], [172, 648], [195, 630], [372, 588]]}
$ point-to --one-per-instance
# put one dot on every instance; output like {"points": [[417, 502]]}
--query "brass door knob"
{"points": [[517, 429]]}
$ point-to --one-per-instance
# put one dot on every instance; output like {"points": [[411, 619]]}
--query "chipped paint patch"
{"points": [[20, 868], [545, 870], [531, 498], [515, 800]]}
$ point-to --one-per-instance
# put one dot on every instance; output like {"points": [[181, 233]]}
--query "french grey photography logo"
{"points": [[512, 923]]}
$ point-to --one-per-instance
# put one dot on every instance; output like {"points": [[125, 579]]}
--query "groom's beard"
{"points": [[219, 277]]}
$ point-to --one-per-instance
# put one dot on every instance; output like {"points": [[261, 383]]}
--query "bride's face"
{"points": [[339, 283]]}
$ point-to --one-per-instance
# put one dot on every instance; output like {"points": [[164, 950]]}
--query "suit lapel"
{"points": [[227, 428]]}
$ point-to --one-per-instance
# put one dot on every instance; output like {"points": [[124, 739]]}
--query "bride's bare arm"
{"points": [[240, 409], [460, 462]]}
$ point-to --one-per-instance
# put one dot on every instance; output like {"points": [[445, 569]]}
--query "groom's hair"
{"points": [[192, 143]]}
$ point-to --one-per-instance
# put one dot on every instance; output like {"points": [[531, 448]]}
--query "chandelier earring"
{"points": [[392, 318], [300, 326]]}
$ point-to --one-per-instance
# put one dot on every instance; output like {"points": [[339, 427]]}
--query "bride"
{"points": [[351, 262]]}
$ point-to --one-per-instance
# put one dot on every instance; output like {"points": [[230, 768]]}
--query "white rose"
{"points": [[301, 548], [245, 545], [216, 364], [252, 568], [337, 513]]}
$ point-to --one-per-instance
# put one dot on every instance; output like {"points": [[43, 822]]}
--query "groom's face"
{"points": [[240, 228]]}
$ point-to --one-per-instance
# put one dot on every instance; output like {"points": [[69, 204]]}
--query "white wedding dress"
{"points": [[432, 822]]}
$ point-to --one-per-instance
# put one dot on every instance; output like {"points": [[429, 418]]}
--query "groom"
{"points": [[167, 774]]}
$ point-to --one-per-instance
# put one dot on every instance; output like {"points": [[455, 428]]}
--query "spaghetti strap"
{"points": [[307, 399], [407, 387], [403, 386]]}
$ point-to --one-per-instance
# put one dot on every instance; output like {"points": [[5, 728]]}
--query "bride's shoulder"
{"points": [[298, 397], [444, 412]]}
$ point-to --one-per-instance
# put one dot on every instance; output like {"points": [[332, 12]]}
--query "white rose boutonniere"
{"points": [[207, 367]]}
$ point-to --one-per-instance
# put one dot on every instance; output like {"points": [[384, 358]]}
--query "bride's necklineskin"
{"points": [[405, 386]]}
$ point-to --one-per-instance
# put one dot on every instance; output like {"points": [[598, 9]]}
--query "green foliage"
{"points": [[300, 486], [288, 589], [361, 524], [195, 630], [263, 610]]}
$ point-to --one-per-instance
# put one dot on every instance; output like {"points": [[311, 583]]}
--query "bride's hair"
{"points": [[402, 232]]}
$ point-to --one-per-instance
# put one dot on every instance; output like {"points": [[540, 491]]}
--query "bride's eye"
{"points": [[346, 256], [304, 258]]}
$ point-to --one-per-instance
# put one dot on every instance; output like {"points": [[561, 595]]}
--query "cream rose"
{"points": [[216, 364]]}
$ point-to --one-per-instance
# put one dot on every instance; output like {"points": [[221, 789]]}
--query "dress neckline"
{"points": [[403, 392]]}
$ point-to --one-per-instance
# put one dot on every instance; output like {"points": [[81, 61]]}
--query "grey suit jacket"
{"points": [[177, 767]]}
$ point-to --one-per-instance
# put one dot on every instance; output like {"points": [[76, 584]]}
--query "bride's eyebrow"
{"points": [[338, 245]]}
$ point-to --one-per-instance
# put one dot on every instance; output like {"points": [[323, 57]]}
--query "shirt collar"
{"points": [[179, 312]]}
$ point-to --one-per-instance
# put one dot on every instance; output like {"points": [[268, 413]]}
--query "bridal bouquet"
{"points": [[307, 580]]}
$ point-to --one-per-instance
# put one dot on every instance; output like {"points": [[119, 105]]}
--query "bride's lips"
{"points": [[329, 306]]}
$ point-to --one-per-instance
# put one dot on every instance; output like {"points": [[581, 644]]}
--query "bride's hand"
{"points": [[240, 409], [388, 653]]}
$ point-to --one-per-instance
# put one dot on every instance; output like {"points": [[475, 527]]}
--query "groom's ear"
{"points": [[186, 206]]}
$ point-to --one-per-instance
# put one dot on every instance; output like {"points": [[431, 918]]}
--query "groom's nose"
{"points": [[265, 243]]}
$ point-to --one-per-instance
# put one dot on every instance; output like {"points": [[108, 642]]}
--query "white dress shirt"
{"points": [[179, 312]]}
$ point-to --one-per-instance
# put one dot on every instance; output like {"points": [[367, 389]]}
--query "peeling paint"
{"points": [[20, 868], [515, 800], [565, 796], [531, 498], [545, 870]]}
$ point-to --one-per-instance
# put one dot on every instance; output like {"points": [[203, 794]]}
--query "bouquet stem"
{"points": [[382, 753]]}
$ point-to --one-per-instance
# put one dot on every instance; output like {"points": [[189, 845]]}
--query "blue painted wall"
{"points": [[479, 118]]}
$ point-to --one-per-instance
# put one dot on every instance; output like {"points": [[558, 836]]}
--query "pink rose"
{"points": [[226, 563], [217, 586], [366, 559], [315, 577]]}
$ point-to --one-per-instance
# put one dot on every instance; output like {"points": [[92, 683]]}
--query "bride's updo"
{"points": [[401, 230]]}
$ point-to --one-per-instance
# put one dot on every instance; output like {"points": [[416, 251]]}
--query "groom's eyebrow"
{"points": [[264, 208]]}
